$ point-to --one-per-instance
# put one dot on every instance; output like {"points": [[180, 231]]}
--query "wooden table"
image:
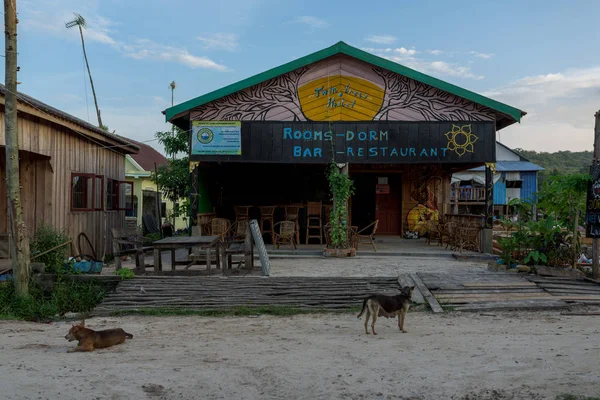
{"points": [[185, 242]]}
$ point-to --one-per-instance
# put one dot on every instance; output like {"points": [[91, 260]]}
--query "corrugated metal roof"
{"points": [[512, 166], [43, 107]]}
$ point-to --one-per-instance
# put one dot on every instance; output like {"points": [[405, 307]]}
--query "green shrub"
{"points": [[152, 237], [66, 296], [45, 238], [125, 273]]}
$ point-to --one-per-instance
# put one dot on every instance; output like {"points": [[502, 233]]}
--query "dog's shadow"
{"points": [[58, 348]]}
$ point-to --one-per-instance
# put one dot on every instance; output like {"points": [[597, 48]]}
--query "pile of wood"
{"points": [[472, 292], [213, 292], [570, 290]]}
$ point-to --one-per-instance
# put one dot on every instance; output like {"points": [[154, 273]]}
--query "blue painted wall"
{"points": [[528, 190], [500, 191]]}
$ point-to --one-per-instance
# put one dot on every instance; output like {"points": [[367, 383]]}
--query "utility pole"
{"points": [[596, 160], [19, 243], [79, 22], [173, 85]]}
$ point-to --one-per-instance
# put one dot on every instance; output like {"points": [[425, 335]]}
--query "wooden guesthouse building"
{"points": [[72, 175], [266, 140]]}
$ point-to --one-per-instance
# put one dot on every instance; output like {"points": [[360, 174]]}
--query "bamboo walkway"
{"points": [[441, 291]]}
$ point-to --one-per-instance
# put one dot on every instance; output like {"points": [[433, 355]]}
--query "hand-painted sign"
{"points": [[340, 97], [592, 214], [375, 142], [216, 138]]}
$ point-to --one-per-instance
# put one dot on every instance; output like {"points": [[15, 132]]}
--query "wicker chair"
{"points": [[220, 227], [468, 237], [287, 233], [434, 231], [367, 235], [292, 213], [241, 212], [449, 234], [239, 230]]}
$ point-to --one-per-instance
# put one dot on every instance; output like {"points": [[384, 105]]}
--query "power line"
{"points": [[99, 145]]}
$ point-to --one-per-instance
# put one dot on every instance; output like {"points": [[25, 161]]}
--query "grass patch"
{"points": [[575, 397], [40, 305], [125, 273], [237, 311]]}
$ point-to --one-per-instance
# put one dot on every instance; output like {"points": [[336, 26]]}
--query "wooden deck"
{"points": [[441, 291]]}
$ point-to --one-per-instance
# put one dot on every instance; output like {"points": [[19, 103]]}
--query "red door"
{"points": [[388, 206]]}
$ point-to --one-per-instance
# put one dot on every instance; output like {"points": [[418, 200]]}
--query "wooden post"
{"points": [[194, 176], [596, 160], [488, 236], [19, 242], [346, 171], [456, 194], [158, 203]]}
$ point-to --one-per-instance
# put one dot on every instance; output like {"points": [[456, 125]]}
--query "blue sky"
{"points": [[540, 56]]}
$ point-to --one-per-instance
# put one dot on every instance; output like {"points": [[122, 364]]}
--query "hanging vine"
{"points": [[342, 188]]}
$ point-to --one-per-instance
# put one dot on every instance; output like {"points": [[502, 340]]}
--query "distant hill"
{"points": [[561, 162]]}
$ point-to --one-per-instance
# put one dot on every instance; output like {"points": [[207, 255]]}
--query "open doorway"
{"points": [[378, 196]]}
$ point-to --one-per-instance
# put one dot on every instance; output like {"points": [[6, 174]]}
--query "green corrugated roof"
{"points": [[343, 48]]}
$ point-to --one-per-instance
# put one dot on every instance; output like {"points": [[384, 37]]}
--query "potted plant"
{"points": [[337, 231]]}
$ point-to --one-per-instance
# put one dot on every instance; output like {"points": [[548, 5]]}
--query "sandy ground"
{"points": [[486, 356], [371, 266], [353, 267]]}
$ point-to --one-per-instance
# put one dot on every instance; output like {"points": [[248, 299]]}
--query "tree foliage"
{"points": [[174, 178], [563, 197], [559, 163], [554, 238]]}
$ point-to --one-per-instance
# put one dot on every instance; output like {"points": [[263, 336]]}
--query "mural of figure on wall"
{"points": [[427, 186]]}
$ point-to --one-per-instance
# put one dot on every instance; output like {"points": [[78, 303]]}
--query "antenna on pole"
{"points": [[173, 85]]}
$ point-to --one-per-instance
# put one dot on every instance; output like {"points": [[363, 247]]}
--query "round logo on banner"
{"points": [[205, 136]]}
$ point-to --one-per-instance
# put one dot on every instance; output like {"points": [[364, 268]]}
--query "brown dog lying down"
{"points": [[379, 305], [90, 339]]}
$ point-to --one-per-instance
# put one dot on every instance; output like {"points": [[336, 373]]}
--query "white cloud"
{"points": [[449, 69], [481, 55], [381, 39], [560, 108], [220, 41], [313, 22], [402, 50], [100, 30], [409, 58], [142, 49], [435, 52]]}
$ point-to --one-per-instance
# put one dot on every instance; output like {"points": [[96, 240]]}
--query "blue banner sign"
{"points": [[221, 138]]}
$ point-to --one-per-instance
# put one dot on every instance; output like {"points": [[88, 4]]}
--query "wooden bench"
{"points": [[239, 244], [240, 248], [130, 241]]}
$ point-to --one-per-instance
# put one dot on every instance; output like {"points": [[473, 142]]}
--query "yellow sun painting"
{"points": [[460, 139]]}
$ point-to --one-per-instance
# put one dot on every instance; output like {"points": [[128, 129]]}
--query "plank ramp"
{"points": [[196, 292], [570, 290], [489, 291]]}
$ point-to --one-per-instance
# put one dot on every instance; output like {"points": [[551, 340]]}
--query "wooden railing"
{"points": [[470, 195]]}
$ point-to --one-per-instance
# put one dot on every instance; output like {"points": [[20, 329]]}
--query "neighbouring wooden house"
{"points": [[72, 175], [146, 198], [515, 178], [266, 140]]}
